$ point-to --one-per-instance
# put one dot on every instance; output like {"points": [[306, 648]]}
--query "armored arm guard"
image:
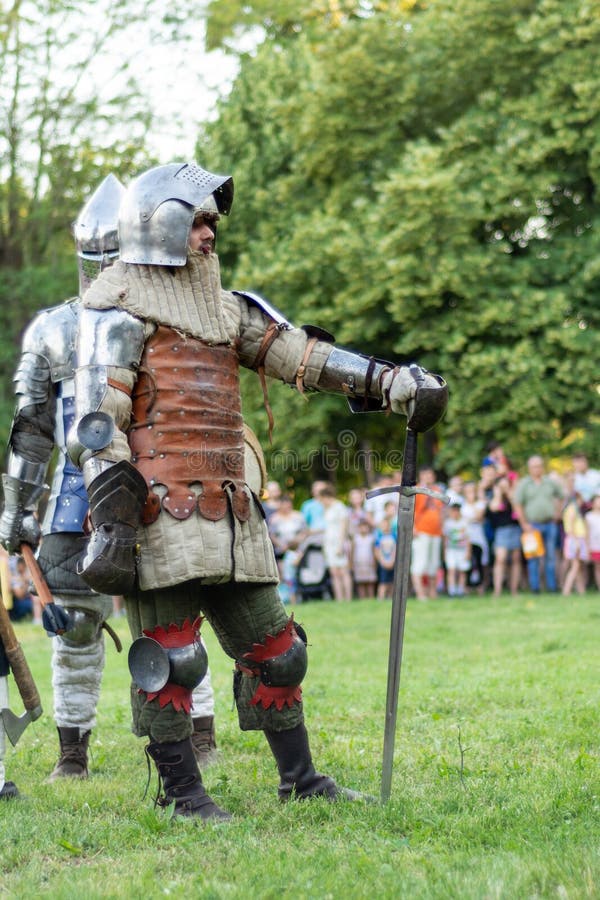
{"points": [[110, 342], [30, 443], [109, 348], [372, 384], [307, 359]]}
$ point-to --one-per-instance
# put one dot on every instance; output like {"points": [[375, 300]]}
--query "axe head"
{"points": [[14, 725]]}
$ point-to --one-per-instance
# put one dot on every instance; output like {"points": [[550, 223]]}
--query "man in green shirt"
{"points": [[538, 504]]}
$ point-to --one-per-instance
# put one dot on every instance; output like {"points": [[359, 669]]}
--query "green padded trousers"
{"points": [[240, 615]]}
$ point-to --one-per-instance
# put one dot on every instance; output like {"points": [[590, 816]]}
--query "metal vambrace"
{"points": [[372, 384], [117, 497], [18, 523]]}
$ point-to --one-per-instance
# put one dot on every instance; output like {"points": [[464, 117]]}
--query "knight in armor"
{"points": [[159, 437], [44, 385]]}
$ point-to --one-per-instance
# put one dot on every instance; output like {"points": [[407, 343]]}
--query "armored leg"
{"points": [[203, 719], [164, 712], [182, 782], [204, 741], [297, 774], [73, 759], [147, 611], [254, 628], [242, 616], [77, 666]]}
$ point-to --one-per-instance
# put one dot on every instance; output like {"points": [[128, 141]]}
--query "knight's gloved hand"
{"points": [[415, 393], [117, 496], [109, 561], [18, 526]]}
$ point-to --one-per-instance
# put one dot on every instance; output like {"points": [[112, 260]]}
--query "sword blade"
{"points": [[406, 513]]}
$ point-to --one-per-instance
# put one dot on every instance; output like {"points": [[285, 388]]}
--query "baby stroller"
{"points": [[312, 574]]}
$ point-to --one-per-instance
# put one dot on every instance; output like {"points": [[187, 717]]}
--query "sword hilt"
{"points": [[409, 491]]}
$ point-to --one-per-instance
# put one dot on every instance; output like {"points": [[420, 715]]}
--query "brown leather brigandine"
{"points": [[187, 427]]}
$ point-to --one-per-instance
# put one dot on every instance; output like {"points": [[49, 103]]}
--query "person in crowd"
{"points": [[587, 480], [375, 506], [272, 499], [336, 542], [426, 555], [385, 557], [497, 458], [454, 490], [118, 606], [473, 511], [592, 521], [538, 501], [485, 492], [357, 510], [457, 550], [507, 538], [164, 468], [313, 510], [362, 559], [21, 589], [575, 545], [286, 530]]}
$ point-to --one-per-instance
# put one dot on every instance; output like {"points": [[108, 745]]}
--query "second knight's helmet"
{"points": [[159, 207], [95, 231]]}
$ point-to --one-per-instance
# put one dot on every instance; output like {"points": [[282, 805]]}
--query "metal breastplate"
{"points": [[187, 427]]}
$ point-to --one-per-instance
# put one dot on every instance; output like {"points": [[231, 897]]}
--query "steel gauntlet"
{"points": [[117, 497], [372, 384], [416, 393], [18, 524]]}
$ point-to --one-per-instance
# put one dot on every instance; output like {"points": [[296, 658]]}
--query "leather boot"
{"points": [[296, 771], [203, 741], [72, 762], [181, 781], [9, 790]]}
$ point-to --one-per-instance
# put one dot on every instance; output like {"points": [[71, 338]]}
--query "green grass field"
{"points": [[496, 774]]}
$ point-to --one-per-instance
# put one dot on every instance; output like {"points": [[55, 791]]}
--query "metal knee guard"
{"points": [[280, 663]]}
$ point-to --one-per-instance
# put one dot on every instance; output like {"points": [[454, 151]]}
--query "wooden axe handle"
{"points": [[41, 588], [18, 663]]}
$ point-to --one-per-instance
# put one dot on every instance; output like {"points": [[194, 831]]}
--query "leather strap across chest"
{"points": [[187, 427]]}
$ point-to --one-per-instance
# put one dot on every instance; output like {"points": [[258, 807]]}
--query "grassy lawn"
{"points": [[496, 775]]}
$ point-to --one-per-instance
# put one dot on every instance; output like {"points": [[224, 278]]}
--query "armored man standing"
{"points": [[159, 436]]}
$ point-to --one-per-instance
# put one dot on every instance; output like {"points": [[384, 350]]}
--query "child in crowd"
{"points": [[592, 521], [362, 559], [575, 545], [457, 550], [473, 511], [385, 555]]}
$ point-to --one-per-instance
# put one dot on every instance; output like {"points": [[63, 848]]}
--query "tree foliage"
{"points": [[422, 181], [65, 96]]}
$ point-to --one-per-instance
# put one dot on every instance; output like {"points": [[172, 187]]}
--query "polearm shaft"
{"points": [[406, 513]]}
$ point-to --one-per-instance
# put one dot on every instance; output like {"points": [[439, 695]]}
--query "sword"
{"points": [[406, 512], [15, 725]]}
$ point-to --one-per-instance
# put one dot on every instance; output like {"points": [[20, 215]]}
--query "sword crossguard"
{"points": [[409, 491]]}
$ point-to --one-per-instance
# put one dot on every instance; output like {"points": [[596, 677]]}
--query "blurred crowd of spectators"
{"points": [[504, 532]]}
